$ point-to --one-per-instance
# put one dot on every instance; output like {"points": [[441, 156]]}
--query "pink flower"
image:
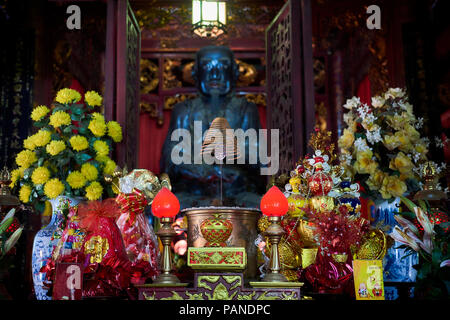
{"points": [[445, 263], [427, 225], [402, 237], [405, 223]]}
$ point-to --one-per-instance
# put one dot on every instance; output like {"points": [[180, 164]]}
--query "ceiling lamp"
{"points": [[209, 18]]}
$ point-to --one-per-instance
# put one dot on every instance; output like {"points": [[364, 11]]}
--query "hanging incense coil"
{"points": [[218, 143]]}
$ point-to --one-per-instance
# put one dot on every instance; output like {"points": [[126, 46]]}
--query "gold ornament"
{"points": [[305, 230], [298, 205], [341, 257], [373, 246], [216, 231], [308, 256], [322, 203], [97, 247]]}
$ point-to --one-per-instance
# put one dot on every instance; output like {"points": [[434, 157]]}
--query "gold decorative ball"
{"points": [[298, 205]]}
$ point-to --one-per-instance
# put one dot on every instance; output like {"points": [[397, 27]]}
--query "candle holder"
{"points": [[166, 233], [165, 206], [274, 205], [274, 232]]}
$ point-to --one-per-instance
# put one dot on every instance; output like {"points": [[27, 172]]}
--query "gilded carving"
{"points": [[260, 99], [169, 77], [194, 296], [265, 296], [247, 74], [149, 76], [175, 296], [220, 293], [231, 279], [246, 296], [146, 297], [211, 279], [291, 296], [170, 102]]}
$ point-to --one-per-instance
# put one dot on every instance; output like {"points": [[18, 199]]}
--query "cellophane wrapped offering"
{"points": [[138, 236], [108, 271], [69, 247]]}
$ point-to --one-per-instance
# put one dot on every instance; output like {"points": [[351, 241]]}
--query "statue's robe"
{"points": [[190, 181]]}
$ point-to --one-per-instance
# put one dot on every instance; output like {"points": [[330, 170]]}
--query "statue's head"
{"points": [[215, 70]]}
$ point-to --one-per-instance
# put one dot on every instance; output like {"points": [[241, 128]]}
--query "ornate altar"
{"points": [[219, 286], [220, 264]]}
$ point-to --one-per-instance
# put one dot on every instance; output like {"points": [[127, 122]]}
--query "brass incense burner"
{"points": [[243, 234]]}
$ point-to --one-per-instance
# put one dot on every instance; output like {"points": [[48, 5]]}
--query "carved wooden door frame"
{"points": [[123, 49], [290, 87]]}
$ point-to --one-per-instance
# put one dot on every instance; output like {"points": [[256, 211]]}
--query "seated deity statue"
{"points": [[198, 184]]}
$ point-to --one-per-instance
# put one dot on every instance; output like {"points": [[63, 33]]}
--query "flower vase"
{"points": [[395, 267], [44, 242]]}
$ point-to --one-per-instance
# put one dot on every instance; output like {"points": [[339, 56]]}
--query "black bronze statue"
{"points": [[216, 73]]}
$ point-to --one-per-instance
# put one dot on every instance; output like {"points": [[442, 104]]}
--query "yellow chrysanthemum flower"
{"points": [[24, 193], [60, 118], [76, 180], [392, 186], [39, 112], [93, 99], [391, 141], [412, 134], [28, 143], [16, 174], [101, 147], [346, 140], [53, 188], [102, 159], [55, 147], [42, 137], [89, 171], [97, 127], [115, 131], [97, 116], [375, 181], [78, 143], [364, 163], [67, 95], [403, 164], [25, 158], [40, 175], [94, 191], [109, 168]]}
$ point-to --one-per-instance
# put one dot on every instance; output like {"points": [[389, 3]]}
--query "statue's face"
{"points": [[215, 72]]}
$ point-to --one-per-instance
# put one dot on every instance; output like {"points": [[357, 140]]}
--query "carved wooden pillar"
{"points": [[123, 47], [290, 88]]}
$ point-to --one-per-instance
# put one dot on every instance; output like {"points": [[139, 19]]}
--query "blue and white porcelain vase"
{"points": [[395, 267], [44, 242]]}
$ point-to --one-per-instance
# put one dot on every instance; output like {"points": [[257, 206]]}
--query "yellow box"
{"points": [[368, 276]]}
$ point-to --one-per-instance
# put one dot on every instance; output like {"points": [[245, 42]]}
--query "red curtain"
{"points": [[363, 92], [75, 85]]}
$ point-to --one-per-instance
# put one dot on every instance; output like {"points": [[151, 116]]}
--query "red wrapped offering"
{"points": [[108, 271], [69, 247], [138, 236], [329, 276]]}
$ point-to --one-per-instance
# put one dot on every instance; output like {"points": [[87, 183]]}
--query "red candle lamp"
{"points": [[165, 206], [274, 205]]}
